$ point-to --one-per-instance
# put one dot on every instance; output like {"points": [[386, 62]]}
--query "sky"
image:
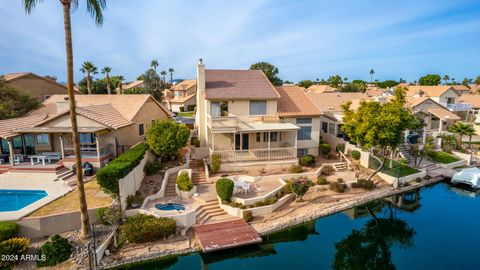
{"points": [[304, 39]]}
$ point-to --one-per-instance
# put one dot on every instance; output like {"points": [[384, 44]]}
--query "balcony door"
{"points": [[241, 141]]}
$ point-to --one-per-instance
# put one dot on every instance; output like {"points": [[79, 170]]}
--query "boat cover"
{"points": [[470, 176]]}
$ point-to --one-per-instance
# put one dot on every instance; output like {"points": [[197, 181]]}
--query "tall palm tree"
{"points": [[171, 70], [106, 71], [163, 73], [95, 8], [90, 69], [120, 84], [371, 74], [154, 64], [446, 78]]}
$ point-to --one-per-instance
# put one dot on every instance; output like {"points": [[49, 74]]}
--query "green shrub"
{"points": [[152, 167], [108, 176], [247, 216], [184, 182], [322, 181], [15, 247], [166, 137], [325, 148], [8, 229], [340, 147], [362, 183], [355, 154], [109, 215], [224, 187], [337, 187], [135, 200], [196, 142], [300, 186], [328, 170], [144, 228], [418, 180], [295, 169], [57, 250], [215, 163], [308, 160], [340, 180]]}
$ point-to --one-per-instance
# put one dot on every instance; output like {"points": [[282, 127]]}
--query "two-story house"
{"points": [[181, 96], [245, 120]]}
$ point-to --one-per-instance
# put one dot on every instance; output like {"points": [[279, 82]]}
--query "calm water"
{"points": [[437, 227], [12, 200]]}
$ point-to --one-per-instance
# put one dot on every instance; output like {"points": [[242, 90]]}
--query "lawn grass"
{"points": [[443, 157], [70, 202], [397, 169], [186, 114]]}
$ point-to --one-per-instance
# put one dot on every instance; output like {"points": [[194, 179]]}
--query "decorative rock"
{"points": [[107, 252]]}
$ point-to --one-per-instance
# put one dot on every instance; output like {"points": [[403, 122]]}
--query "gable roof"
{"points": [[294, 102], [431, 91], [184, 85], [8, 126], [317, 88], [10, 77], [130, 85], [332, 102], [238, 84], [460, 87]]}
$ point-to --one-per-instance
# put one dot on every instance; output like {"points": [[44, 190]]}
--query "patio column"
{"points": [[268, 145], [62, 146], [440, 126], [213, 142], [296, 142], [97, 141], [10, 151]]}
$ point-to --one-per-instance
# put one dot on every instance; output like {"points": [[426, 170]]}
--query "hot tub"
{"points": [[170, 207]]}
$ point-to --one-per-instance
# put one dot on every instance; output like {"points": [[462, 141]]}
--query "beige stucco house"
{"points": [[37, 86], [246, 121], [108, 125], [181, 97]]}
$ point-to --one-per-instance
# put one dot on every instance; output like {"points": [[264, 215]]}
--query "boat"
{"points": [[469, 176]]}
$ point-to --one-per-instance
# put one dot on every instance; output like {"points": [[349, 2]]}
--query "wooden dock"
{"points": [[224, 235]]}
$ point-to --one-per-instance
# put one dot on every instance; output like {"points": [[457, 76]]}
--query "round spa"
{"points": [[170, 207]]}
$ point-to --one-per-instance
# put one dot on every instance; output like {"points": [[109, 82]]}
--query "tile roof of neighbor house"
{"points": [[8, 126], [332, 102], [375, 92], [184, 85], [317, 88], [431, 91], [133, 84], [472, 99], [294, 102], [238, 84], [9, 77], [460, 87], [180, 99]]}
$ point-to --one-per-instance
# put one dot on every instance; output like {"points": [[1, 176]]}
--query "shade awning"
{"points": [[444, 114], [59, 129], [266, 127]]}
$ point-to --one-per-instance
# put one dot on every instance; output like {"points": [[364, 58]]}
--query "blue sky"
{"points": [[304, 39]]}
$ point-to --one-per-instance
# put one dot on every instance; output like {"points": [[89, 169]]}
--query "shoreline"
{"points": [[305, 212]]}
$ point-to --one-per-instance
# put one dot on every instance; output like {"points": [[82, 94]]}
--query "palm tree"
{"points": [[95, 8], [90, 69], [163, 73], [446, 78], [171, 70], [371, 74], [106, 71], [462, 129], [120, 84], [154, 64]]}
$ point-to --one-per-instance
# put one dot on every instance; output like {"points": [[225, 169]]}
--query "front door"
{"points": [[237, 141], [245, 141]]}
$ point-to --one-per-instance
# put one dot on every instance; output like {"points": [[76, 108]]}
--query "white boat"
{"points": [[470, 176]]}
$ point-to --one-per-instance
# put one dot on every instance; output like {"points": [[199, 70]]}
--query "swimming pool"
{"points": [[170, 206], [13, 199]]}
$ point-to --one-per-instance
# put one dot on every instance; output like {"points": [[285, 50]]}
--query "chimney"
{"points": [[200, 75], [63, 105], [200, 116]]}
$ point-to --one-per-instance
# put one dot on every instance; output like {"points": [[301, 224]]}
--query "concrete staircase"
{"points": [[170, 189], [405, 152], [211, 212], [198, 172], [340, 166], [429, 167], [64, 173]]}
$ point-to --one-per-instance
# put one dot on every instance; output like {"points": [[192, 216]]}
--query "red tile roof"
{"points": [[294, 102]]}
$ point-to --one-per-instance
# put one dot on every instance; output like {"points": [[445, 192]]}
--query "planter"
{"points": [[185, 194]]}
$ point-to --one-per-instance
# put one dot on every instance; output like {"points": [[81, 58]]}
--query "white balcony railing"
{"points": [[229, 156], [228, 121], [455, 107]]}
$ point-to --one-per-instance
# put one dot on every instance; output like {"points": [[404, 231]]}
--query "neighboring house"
{"points": [[461, 89], [316, 88], [378, 92], [245, 120], [131, 85], [37, 86], [181, 96], [474, 101], [108, 125]]}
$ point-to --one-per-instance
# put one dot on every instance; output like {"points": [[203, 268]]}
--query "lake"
{"points": [[437, 227]]}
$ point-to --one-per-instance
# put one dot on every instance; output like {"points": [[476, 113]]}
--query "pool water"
{"points": [[170, 207], [13, 200], [436, 227]]}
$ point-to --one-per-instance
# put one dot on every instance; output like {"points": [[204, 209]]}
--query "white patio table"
{"points": [[40, 157]]}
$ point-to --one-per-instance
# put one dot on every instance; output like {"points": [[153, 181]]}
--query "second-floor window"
{"points": [[258, 107], [450, 100], [219, 108], [304, 133], [141, 130]]}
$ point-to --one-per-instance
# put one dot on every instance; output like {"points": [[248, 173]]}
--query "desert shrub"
{"points": [[340, 180], [108, 176], [362, 183], [328, 170], [299, 187], [235, 204], [144, 228], [427, 177], [152, 167], [325, 148], [184, 182], [166, 137], [8, 229], [196, 142], [57, 250], [322, 181], [135, 200], [295, 169], [418, 180], [109, 215], [337, 187], [14, 247], [340, 147], [224, 188], [355, 154], [308, 160], [215, 163], [247, 216]]}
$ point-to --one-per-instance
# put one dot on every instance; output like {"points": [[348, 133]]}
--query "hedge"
{"points": [[8, 229], [144, 228], [224, 187], [108, 176], [184, 182], [215, 163], [308, 160], [325, 148], [355, 154], [57, 250]]}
